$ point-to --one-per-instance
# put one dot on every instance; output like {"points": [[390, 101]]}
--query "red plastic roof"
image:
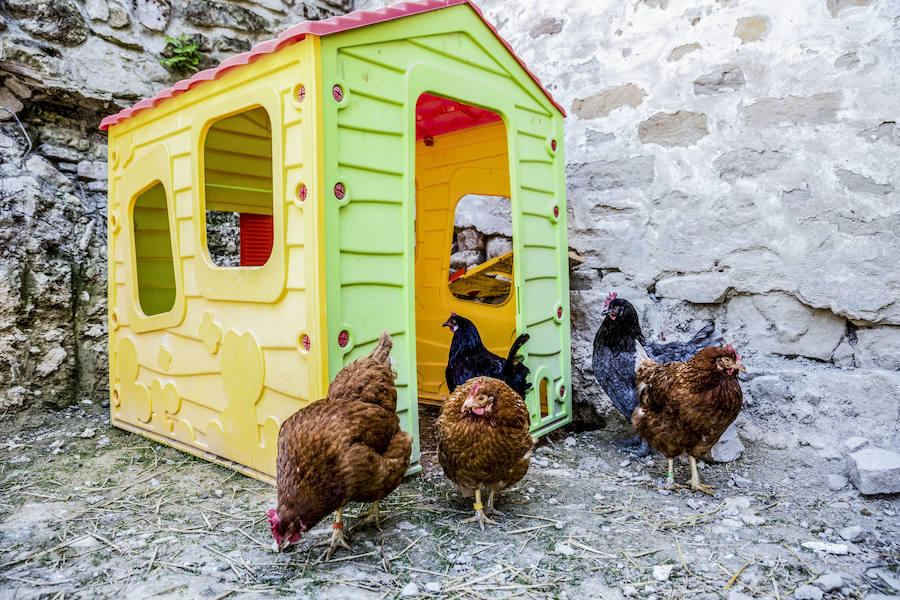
{"points": [[359, 18], [436, 115]]}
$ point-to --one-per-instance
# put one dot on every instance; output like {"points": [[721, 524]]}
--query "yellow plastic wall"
{"points": [[471, 161], [218, 373]]}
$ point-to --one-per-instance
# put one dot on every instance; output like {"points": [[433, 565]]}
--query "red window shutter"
{"points": [[256, 239]]}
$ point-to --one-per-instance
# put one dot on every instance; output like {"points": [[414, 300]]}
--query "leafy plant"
{"points": [[181, 54]]}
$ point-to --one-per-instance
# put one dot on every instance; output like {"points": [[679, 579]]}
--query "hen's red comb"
{"points": [[610, 298], [731, 349]]}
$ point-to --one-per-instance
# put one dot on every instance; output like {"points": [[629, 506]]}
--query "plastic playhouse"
{"points": [[343, 145]]}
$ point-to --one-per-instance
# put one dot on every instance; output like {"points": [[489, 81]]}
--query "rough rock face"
{"points": [[64, 64], [52, 271], [107, 52], [736, 163]]}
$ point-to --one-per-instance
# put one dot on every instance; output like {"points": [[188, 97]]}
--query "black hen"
{"points": [[620, 344], [469, 358]]}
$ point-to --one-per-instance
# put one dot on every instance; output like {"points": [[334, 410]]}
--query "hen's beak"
{"points": [[605, 310], [447, 323], [740, 366], [470, 399], [283, 544]]}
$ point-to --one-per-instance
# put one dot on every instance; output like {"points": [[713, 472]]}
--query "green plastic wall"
{"points": [[369, 137]]}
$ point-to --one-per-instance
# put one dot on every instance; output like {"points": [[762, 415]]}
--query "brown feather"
{"points": [[345, 447], [489, 451], [685, 407]]}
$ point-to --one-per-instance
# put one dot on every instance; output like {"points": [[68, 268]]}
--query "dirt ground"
{"points": [[89, 511]]}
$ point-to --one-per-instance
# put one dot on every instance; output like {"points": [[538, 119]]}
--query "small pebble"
{"points": [[854, 533], [88, 433], [741, 482], [828, 581], [827, 547], [629, 590], [662, 572], [624, 463], [836, 482], [433, 587], [218, 493], [570, 441], [410, 590], [808, 592], [564, 550], [753, 519]]}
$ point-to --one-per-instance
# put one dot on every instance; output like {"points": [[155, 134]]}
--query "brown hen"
{"points": [[483, 440], [346, 447], [685, 407]]}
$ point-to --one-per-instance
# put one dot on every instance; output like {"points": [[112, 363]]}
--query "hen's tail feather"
{"points": [[514, 372], [382, 351], [513, 358], [682, 351]]}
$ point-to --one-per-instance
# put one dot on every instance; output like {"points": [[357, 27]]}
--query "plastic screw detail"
{"points": [[559, 313], [301, 93], [343, 339], [301, 192], [339, 191], [305, 342], [562, 391], [555, 212], [337, 92], [553, 145]]}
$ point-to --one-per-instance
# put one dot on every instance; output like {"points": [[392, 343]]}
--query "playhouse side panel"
{"points": [[218, 373]]}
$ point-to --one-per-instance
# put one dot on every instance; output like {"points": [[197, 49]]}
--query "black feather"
{"points": [[615, 351], [469, 358]]}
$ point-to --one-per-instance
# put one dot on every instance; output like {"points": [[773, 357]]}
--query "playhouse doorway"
{"points": [[464, 256]]}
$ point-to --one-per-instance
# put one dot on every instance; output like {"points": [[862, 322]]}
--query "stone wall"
{"points": [[65, 64], [736, 161]]}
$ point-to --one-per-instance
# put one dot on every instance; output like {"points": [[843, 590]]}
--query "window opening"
{"points": [[237, 155], [481, 255], [153, 251]]}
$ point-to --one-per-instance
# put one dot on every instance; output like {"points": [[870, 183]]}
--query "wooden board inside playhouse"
{"points": [[487, 280]]}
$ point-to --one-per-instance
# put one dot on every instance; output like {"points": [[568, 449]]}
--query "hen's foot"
{"points": [[338, 538], [695, 484], [481, 518], [489, 509], [699, 487], [373, 516]]}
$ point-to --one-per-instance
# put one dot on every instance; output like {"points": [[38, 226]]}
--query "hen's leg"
{"points": [[670, 476], [373, 516], [479, 517], [337, 536], [695, 479], [489, 509]]}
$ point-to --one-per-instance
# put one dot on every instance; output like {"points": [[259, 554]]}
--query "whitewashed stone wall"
{"points": [[736, 161]]}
